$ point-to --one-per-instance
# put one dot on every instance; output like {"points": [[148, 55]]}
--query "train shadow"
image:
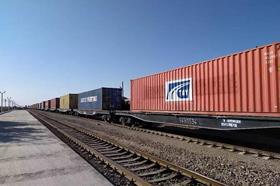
{"points": [[265, 139], [20, 132]]}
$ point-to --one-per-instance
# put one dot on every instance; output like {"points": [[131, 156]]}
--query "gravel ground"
{"points": [[227, 167]]}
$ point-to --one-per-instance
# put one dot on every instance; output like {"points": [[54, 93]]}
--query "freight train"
{"points": [[238, 91]]}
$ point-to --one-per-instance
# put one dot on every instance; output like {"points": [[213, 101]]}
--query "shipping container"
{"points": [[101, 99], [47, 104], [241, 84], [68, 102], [43, 105], [55, 104]]}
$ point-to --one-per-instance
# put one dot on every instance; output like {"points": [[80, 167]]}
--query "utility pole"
{"points": [[5, 100], [9, 102], [2, 100]]}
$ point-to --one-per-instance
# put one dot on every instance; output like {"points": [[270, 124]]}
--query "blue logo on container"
{"points": [[178, 90]]}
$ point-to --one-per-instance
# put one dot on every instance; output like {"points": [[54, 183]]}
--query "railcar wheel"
{"points": [[109, 118], [123, 120], [104, 118]]}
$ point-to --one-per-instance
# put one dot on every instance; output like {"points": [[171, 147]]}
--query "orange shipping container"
{"points": [[245, 83]]}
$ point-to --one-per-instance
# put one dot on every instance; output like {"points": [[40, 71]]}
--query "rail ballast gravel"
{"points": [[139, 167]]}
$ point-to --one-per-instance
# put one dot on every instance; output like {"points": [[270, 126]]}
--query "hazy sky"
{"points": [[52, 47]]}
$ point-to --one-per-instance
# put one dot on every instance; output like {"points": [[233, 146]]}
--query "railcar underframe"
{"points": [[185, 120]]}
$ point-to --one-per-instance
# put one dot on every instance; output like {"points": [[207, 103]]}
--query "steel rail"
{"points": [[121, 170], [266, 155], [233, 148], [180, 170]]}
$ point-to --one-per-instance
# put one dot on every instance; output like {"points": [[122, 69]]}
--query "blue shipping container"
{"points": [[101, 99]]}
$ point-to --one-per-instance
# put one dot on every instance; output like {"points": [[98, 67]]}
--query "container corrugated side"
{"points": [[100, 99], [54, 103], [69, 101], [43, 105], [90, 100], [112, 98], [47, 104], [245, 83]]}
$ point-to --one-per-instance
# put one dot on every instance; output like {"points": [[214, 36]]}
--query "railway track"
{"points": [[242, 150], [266, 155], [138, 167]]}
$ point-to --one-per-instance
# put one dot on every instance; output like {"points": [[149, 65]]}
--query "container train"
{"points": [[238, 91]]}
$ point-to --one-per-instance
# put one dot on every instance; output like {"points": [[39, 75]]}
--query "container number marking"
{"points": [[188, 121], [230, 123]]}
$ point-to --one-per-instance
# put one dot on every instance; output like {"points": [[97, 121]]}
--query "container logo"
{"points": [[178, 90], [89, 99]]}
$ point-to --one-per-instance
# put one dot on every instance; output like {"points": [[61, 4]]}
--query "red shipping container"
{"points": [[245, 83], [54, 104]]}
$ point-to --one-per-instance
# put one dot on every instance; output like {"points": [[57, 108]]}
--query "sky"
{"points": [[49, 48]]}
